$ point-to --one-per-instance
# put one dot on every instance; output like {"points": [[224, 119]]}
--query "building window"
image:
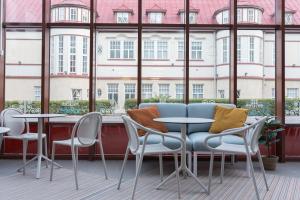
{"points": [[73, 54], [129, 91], [238, 93], [37, 93], [239, 48], [162, 50], [288, 18], [273, 54], [196, 50], [146, 91], [180, 50], [293, 93], [225, 17], [73, 14], [273, 93], [164, 90], [84, 57], [122, 17], [85, 15], [225, 50], [99, 92], [155, 18], [115, 49], [221, 94], [193, 17], [251, 49], [113, 92], [239, 15], [61, 14], [179, 91], [76, 94], [149, 49], [250, 15], [197, 91], [128, 49], [61, 54]]}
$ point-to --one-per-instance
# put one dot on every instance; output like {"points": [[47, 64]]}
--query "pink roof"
{"points": [[30, 10]]}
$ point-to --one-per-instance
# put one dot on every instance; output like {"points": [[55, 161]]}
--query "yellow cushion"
{"points": [[227, 118]]}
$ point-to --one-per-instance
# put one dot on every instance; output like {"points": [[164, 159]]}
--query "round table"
{"points": [[3, 130], [183, 121], [39, 155]]}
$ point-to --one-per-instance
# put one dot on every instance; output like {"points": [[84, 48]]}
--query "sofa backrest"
{"points": [[202, 110], [169, 110]]}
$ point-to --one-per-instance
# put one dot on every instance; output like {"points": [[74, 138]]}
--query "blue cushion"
{"points": [[169, 110], [199, 137], [169, 142]]}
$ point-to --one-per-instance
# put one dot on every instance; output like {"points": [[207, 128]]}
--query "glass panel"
{"points": [[116, 76], [70, 11], [292, 12], [292, 74], [117, 11], [256, 72], [69, 69], [163, 65], [163, 12], [209, 66], [26, 11], [256, 12], [23, 69]]}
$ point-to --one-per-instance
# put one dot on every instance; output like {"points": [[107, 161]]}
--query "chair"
{"points": [[250, 135], [136, 148], [17, 127], [84, 134]]}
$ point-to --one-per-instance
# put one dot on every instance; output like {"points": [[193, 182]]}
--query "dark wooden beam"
{"points": [[139, 54], [92, 58], [187, 52], [2, 62]]}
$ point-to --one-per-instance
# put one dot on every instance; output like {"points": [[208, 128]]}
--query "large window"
{"points": [[115, 49]]}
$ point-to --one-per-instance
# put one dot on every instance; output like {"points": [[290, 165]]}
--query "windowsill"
{"points": [[121, 59], [156, 59], [196, 60]]}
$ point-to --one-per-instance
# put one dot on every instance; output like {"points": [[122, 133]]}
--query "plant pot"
{"points": [[270, 163]]}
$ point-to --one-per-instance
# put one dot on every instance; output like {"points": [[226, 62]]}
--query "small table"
{"points": [[183, 121], [39, 155], [3, 130]]}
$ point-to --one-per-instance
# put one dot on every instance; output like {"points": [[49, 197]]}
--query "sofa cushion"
{"points": [[169, 110], [202, 110], [169, 142], [198, 138]]}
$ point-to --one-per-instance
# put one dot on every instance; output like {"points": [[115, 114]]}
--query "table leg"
{"points": [[40, 147]]}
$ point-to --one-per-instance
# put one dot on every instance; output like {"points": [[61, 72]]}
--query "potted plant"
{"points": [[269, 132]]}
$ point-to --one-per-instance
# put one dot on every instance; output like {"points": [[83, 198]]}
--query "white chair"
{"points": [[250, 135], [136, 148], [17, 127], [84, 134]]}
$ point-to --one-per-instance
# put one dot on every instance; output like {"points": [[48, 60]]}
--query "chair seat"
{"points": [[154, 149], [198, 138], [68, 142], [25, 136], [233, 148], [169, 142]]}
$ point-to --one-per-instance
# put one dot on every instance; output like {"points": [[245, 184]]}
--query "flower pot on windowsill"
{"points": [[270, 162]]}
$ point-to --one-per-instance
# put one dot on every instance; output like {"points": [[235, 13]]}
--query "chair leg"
{"points": [[222, 167], [248, 170], [262, 169], [161, 170], [252, 175], [136, 162], [211, 166], [103, 159], [25, 144], [46, 150], [52, 160], [74, 159], [195, 167], [137, 175], [177, 175], [123, 168]]}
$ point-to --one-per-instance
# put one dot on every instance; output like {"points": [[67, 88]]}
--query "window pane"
{"points": [[69, 69], [209, 69], [23, 69], [292, 14], [256, 72], [27, 11], [116, 75], [162, 69]]}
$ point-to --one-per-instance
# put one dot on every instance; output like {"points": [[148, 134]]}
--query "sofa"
{"points": [[196, 133]]}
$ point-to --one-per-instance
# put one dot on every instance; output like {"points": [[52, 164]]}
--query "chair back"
{"points": [[16, 125], [87, 128], [132, 134], [255, 130]]}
